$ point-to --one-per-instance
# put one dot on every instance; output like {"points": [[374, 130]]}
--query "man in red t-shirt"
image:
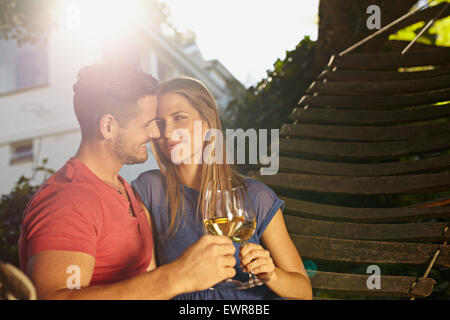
{"points": [[85, 229]]}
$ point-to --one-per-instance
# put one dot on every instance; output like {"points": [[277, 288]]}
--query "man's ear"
{"points": [[108, 126]]}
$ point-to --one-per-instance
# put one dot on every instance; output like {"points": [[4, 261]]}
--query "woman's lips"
{"points": [[169, 147]]}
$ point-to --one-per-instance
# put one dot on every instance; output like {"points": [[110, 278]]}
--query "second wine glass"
{"points": [[228, 211]]}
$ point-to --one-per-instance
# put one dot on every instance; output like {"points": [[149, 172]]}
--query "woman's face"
{"points": [[177, 117]]}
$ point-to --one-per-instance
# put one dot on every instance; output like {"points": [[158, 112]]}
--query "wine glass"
{"points": [[228, 211]]}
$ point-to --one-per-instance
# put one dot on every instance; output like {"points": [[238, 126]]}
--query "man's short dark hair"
{"points": [[109, 88]]}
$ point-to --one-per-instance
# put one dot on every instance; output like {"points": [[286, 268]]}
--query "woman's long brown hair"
{"points": [[203, 101]]}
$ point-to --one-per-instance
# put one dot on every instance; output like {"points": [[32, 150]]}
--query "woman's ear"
{"points": [[108, 126]]}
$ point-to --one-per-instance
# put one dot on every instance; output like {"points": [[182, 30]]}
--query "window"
{"points": [[21, 152], [24, 66]]}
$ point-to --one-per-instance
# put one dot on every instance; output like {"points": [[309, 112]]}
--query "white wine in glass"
{"points": [[228, 211]]}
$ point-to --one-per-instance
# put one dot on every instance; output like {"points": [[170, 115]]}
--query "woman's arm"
{"points": [[152, 264], [280, 262]]}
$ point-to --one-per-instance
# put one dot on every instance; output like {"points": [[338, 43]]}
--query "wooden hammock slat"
{"points": [[363, 133], [379, 87], [427, 165], [364, 215], [364, 251], [385, 150], [369, 117], [407, 232], [405, 184], [375, 75], [392, 60], [390, 286], [376, 101]]}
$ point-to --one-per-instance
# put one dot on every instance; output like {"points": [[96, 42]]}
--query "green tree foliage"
{"points": [[12, 207], [268, 104], [26, 20], [438, 34]]}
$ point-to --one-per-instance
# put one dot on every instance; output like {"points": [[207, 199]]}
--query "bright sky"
{"points": [[246, 36]]}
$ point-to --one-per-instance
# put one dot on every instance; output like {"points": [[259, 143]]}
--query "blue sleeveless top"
{"points": [[151, 187]]}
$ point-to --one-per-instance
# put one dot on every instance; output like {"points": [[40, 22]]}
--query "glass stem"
{"points": [[253, 277]]}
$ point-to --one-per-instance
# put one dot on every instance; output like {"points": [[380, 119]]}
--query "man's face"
{"points": [[131, 142]]}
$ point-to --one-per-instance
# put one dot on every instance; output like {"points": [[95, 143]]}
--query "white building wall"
{"points": [[44, 114], [56, 148]]}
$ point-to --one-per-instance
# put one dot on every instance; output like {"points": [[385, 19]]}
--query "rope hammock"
{"points": [[368, 127], [410, 44]]}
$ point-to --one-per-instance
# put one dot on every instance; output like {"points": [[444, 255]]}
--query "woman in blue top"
{"points": [[173, 194]]}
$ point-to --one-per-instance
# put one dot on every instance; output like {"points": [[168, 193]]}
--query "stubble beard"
{"points": [[126, 154]]}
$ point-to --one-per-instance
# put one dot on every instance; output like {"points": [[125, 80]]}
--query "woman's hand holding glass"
{"points": [[227, 210], [257, 260]]}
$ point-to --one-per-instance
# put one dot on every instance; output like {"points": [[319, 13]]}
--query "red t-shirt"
{"points": [[74, 210]]}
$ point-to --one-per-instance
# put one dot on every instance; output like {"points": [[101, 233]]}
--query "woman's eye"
{"points": [[178, 117]]}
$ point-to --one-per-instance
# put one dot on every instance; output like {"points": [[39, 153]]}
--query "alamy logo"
{"points": [[235, 142], [374, 281], [74, 280], [374, 20]]}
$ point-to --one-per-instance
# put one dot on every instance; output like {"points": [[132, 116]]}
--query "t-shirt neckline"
{"points": [[80, 164]]}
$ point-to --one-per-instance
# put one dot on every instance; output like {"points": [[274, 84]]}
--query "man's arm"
{"points": [[205, 263]]}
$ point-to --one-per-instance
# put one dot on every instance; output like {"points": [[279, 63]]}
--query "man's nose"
{"points": [[154, 131]]}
